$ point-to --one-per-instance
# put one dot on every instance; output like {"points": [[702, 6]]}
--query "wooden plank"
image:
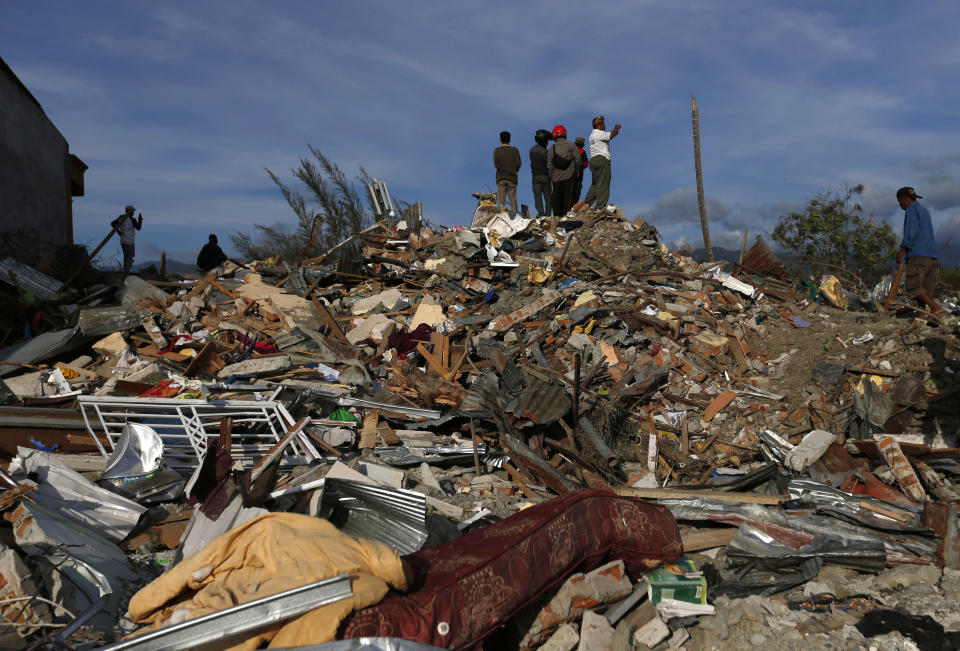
{"points": [[150, 326], [206, 360], [894, 286], [873, 371], [387, 435], [368, 435], [684, 437], [335, 330], [737, 349], [222, 288], [718, 404], [455, 369], [432, 361], [680, 494], [707, 538], [444, 351], [202, 284]]}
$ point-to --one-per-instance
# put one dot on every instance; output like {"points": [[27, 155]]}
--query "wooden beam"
{"points": [[680, 494], [707, 538]]}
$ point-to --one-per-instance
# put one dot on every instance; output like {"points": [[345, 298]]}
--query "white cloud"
{"points": [[180, 108]]}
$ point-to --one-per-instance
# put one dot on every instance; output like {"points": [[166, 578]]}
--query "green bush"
{"points": [[833, 236]]}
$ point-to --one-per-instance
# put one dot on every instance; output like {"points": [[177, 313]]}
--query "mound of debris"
{"points": [[549, 432]]}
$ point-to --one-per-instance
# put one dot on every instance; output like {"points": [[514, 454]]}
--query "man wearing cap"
{"points": [[125, 225], [920, 249], [584, 163], [506, 159], [599, 193]]}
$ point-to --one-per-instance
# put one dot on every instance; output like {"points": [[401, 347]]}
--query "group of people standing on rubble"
{"points": [[558, 169]]}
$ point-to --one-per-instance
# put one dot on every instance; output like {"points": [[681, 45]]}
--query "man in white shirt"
{"points": [[125, 225], [599, 193]]}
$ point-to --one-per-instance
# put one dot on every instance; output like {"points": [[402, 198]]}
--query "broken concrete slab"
{"points": [[261, 366], [431, 314], [390, 300], [581, 592], [371, 328], [113, 345], [565, 638], [596, 634]]}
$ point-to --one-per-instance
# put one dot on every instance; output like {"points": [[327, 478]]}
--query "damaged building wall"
{"points": [[40, 175]]}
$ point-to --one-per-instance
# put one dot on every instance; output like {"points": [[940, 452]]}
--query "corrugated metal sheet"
{"points": [[136, 289], [393, 516], [762, 260], [99, 321], [408, 456], [29, 279], [541, 402], [41, 347], [835, 466]]}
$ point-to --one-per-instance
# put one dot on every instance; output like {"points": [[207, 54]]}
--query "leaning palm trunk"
{"points": [[700, 199]]}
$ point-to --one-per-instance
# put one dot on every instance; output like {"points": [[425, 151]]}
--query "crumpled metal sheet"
{"points": [[800, 526], [28, 279], [136, 289], [81, 565], [829, 499], [41, 347], [394, 516], [231, 627], [753, 543], [139, 451], [881, 290], [773, 446], [75, 497], [409, 456]]}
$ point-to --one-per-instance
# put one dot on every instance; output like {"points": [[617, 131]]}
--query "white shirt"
{"points": [[600, 143], [126, 230]]}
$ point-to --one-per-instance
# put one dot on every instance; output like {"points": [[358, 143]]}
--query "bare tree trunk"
{"points": [[700, 199]]}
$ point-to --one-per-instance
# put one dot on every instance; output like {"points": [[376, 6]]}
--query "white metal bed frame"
{"points": [[185, 425]]}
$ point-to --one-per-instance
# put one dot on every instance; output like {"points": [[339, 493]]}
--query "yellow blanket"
{"points": [[270, 554]]}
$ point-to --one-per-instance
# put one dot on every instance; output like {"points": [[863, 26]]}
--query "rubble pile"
{"points": [[530, 433]]}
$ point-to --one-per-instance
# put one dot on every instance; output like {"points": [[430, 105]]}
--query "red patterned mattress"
{"points": [[465, 589]]}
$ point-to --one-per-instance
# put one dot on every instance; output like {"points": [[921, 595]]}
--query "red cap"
{"points": [[559, 131]]}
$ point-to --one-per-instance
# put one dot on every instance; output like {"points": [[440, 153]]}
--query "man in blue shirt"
{"points": [[920, 249]]}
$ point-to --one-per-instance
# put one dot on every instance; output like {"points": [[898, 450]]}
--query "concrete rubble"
{"points": [[424, 388]]}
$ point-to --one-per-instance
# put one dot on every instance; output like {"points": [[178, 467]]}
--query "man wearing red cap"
{"points": [[562, 161]]}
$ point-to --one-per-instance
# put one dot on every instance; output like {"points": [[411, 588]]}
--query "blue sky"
{"points": [[178, 107]]}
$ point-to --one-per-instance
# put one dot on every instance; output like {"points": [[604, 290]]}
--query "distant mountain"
{"points": [[173, 266], [719, 253]]}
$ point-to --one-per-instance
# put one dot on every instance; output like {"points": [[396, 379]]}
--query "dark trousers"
{"points": [[562, 192], [541, 193], [507, 189], [577, 189], [128, 251], [599, 193]]}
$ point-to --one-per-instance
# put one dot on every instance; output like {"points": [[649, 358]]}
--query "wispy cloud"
{"points": [[178, 107]]}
